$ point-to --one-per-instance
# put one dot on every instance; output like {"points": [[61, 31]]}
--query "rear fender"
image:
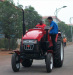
{"points": [[59, 34]]}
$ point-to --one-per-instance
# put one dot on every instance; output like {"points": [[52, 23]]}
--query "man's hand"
{"points": [[50, 29]]}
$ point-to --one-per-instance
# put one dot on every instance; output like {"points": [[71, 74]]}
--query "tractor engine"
{"points": [[31, 45]]}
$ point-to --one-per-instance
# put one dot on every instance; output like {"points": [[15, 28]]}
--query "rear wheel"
{"points": [[59, 53], [27, 62], [49, 62], [15, 62]]}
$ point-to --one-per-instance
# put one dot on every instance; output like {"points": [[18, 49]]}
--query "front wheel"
{"points": [[49, 62], [15, 62]]}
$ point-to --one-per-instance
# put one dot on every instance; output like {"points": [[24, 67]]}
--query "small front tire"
{"points": [[15, 62], [49, 62]]}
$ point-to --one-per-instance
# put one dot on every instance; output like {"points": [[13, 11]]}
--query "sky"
{"points": [[48, 7]]}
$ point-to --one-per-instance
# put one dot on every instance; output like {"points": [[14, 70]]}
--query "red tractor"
{"points": [[36, 44]]}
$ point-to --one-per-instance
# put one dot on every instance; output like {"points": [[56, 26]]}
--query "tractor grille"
{"points": [[28, 47]]}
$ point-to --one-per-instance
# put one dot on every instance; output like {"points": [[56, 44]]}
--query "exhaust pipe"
{"points": [[24, 29]]}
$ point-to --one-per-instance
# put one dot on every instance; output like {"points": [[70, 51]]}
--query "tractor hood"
{"points": [[34, 34]]}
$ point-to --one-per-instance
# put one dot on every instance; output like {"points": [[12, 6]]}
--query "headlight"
{"points": [[30, 41]]}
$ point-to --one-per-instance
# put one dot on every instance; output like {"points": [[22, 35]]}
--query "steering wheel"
{"points": [[38, 27]]}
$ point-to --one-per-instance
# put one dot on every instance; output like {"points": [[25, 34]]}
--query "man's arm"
{"points": [[51, 26], [50, 29]]}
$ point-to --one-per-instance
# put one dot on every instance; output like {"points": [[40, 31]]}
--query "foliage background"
{"points": [[11, 21]]}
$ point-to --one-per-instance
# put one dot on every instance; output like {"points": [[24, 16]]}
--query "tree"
{"points": [[11, 1], [11, 20], [46, 22], [66, 30], [31, 17]]}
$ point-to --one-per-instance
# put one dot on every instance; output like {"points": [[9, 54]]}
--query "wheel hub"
{"points": [[61, 52], [17, 62], [51, 63]]}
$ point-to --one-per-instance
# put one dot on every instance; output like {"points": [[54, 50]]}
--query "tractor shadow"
{"points": [[37, 69], [34, 69]]}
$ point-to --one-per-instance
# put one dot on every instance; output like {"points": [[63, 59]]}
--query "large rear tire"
{"points": [[59, 53], [49, 62], [27, 62], [15, 62]]}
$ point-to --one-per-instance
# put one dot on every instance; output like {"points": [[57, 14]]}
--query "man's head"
{"points": [[50, 19], [41, 23]]}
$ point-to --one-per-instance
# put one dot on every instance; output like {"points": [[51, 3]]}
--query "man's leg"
{"points": [[53, 41]]}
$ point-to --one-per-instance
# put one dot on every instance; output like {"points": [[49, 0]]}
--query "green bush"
{"points": [[13, 44], [4, 43]]}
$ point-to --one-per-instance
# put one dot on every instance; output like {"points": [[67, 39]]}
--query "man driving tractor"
{"points": [[41, 24]]}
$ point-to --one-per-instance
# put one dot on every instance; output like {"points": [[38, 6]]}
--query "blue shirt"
{"points": [[54, 30]]}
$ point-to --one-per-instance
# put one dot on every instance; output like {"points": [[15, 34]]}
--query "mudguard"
{"points": [[16, 51]]}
